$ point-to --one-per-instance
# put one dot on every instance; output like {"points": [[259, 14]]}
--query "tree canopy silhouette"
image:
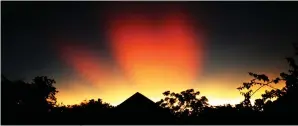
{"points": [[27, 100], [285, 103], [185, 103]]}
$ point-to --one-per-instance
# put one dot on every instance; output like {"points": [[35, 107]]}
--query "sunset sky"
{"points": [[110, 50]]}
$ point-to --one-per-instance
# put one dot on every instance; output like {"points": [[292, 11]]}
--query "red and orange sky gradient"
{"points": [[112, 51], [153, 53]]}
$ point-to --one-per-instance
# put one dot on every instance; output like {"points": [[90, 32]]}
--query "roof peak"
{"points": [[137, 98], [138, 94]]}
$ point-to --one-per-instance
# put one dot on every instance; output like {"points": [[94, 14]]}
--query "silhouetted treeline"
{"points": [[35, 103]]}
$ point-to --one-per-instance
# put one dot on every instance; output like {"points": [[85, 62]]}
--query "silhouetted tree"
{"points": [[83, 113], [185, 103], [25, 102], [285, 105]]}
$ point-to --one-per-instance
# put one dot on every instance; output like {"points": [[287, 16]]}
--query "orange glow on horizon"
{"points": [[156, 53], [153, 54]]}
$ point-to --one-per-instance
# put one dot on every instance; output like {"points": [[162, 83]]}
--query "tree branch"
{"points": [[263, 86]]}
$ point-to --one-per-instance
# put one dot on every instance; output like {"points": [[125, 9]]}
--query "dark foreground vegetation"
{"points": [[35, 103]]}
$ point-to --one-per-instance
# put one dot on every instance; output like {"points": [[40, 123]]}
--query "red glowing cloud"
{"points": [[156, 52], [85, 62]]}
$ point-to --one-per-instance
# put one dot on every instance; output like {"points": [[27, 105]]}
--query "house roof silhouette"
{"points": [[137, 101], [138, 109]]}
